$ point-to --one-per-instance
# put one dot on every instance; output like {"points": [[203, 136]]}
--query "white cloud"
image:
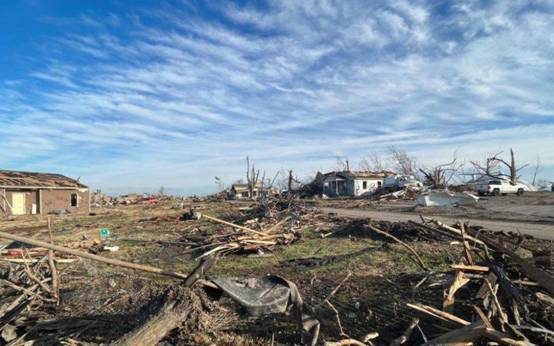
{"points": [[304, 82]]}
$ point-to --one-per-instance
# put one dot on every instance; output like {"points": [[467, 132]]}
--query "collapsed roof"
{"points": [[37, 180]]}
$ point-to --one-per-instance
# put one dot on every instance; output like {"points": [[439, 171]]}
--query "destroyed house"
{"points": [[25, 193], [241, 191], [349, 183]]}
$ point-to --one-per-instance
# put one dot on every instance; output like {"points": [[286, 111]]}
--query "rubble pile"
{"points": [[280, 230]]}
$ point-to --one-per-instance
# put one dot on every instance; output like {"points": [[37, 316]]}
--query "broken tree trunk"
{"points": [[178, 304], [158, 326]]}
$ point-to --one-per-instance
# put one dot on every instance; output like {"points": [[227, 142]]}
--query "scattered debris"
{"points": [[271, 295], [445, 198], [336, 281]]}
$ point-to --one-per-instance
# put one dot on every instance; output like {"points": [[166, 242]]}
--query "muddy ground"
{"points": [[100, 303]]}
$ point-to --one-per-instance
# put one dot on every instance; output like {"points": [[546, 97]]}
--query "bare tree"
{"points": [[512, 167], [488, 168], [252, 176], [402, 162], [372, 163], [343, 164], [537, 169], [441, 175], [290, 180], [272, 181], [262, 183]]}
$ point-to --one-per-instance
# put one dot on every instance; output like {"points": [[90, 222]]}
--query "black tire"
{"points": [[481, 193], [496, 192], [520, 192]]}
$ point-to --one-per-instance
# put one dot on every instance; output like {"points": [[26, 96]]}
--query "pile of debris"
{"points": [[240, 238], [406, 193], [499, 289], [512, 301], [445, 198]]}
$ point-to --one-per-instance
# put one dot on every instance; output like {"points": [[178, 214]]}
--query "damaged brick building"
{"points": [[25, 193]]}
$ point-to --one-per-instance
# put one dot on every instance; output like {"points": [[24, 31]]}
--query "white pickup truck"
{"points": [[500, 187]]}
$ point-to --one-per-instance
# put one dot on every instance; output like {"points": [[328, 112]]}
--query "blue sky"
{"points": [[133, 95]]}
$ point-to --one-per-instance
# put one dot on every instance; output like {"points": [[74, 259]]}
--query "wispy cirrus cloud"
{"points": [[176, 95]]}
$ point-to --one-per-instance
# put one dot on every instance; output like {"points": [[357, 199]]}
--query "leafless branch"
{"points": [[372, 163], [441, 175], [537, 169], [403, 163], [511, 166], [343, 164]]}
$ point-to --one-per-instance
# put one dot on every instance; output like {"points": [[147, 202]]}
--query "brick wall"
{"points": [[61, 199]]}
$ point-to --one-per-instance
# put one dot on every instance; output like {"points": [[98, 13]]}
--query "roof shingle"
{"points": [[28, 179]]}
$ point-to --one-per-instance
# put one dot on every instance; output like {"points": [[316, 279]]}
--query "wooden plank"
{"points": [[461, 336], [438, 313], [93, 257], [475, 268], [459, 281]]}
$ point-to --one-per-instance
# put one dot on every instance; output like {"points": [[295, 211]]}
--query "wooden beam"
{"points": [[438, 313], [115, 262], [475, 268], [461, 336]]}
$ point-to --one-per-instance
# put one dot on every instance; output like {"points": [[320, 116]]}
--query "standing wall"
{"points": [[61, 199]]}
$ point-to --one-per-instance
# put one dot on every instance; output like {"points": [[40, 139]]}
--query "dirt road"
{"points": [[537, 230]]}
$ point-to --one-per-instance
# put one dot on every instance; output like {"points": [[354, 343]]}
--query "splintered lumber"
{"points": [[503, 316], [388, 235], [277, 225], [198, 216], [545, 298], [525, 283], [467, 253], [406, 335], [200, 271], [438, 313], [483, 317], [452, 230], [495, 335], [464, 335], [505, 339], [35, 260], [53, 269], [459, 281], [542, 277], [484, 289], [344, 342], [93, 257], [475, 268]]}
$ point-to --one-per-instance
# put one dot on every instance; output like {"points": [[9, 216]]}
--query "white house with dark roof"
{"points": [[349, 183]]}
